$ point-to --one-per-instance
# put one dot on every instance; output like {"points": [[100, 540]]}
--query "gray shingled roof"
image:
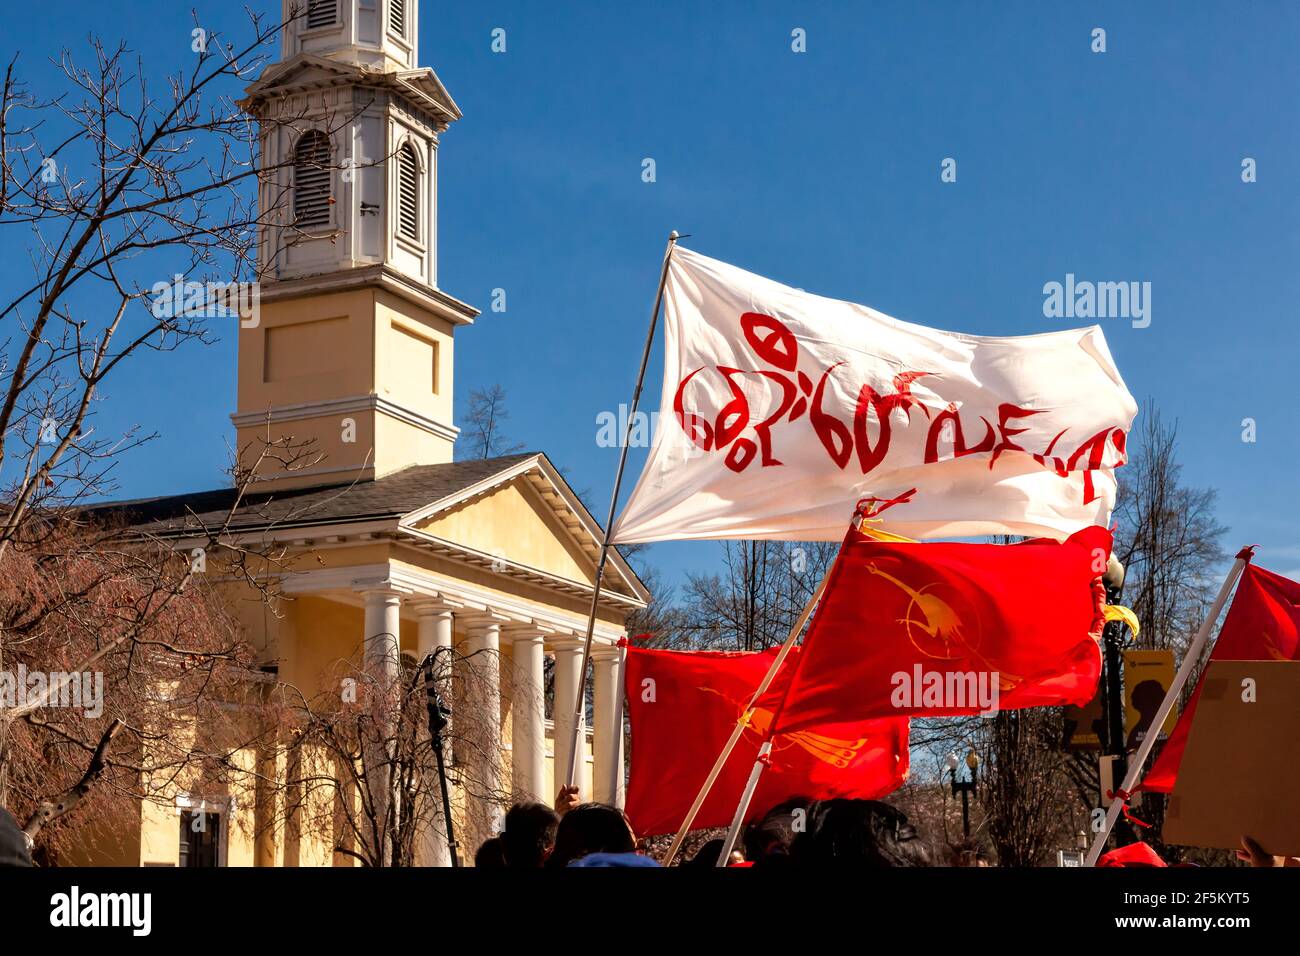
{"points": [[389, 497]]}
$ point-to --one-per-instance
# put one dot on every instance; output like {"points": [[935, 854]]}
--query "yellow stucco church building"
{"points": [[396, 546]]}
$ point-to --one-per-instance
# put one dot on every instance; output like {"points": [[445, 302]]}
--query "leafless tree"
{"points": [[755, 599], [358, 769], [119, 187], [484, 424], [1169, 539], [1027, 797], [661, 623]]}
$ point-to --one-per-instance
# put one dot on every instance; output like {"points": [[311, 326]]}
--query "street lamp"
{"points": [[964, 787], [439, 720], [1113, 639]]}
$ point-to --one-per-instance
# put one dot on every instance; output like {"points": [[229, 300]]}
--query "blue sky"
{"points": [[822, 169]]}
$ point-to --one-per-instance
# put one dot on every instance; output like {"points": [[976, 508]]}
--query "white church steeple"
{"points": [[353, 349], [376, 33]]}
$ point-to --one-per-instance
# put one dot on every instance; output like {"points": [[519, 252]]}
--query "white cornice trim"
{"points": [[466, 598], [344, 406], [492, 481], [320, 536], [317, 534], [382, 275], [421, 85], [503, 565]]}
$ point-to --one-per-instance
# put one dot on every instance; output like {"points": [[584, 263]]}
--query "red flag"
{"points": [[1262, 625], [947, 629], [1135, 854], [684, 705]]}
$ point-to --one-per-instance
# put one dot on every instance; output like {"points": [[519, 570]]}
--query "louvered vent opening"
{"points": [[311, 184], [322, 13], [397, 17], [408, 194]]}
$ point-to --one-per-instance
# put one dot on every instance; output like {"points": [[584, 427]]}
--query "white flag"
{"points": [[782, 410]]}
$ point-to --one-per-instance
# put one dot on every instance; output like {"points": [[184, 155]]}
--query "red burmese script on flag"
{"points": [[779, 406], [949, 629], [684, 705], [1263, 625]]}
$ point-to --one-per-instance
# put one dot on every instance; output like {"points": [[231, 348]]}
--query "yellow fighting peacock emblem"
{"points": [[933, 627], [836, 751]]}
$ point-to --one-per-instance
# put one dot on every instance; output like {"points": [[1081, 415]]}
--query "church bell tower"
{"points": [[351, 346]]}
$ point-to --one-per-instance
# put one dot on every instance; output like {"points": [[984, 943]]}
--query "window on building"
{"points": [[322, 13], [312, 180], [200, 838], [397, 17], [408, 193]]}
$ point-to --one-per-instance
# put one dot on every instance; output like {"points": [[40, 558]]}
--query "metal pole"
{"points": [[1112, 636], [1149, 739], [446, 801], [571, 771], [439, 715]]}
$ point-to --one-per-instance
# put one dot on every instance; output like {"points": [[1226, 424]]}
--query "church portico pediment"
{"points": [[282, 87], [524, 520]]}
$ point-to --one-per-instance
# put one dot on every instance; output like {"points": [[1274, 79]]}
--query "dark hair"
{"points": [[707, 855], [591, 828], [529, 835], [772, 835], [864, 833], [490, 855]]}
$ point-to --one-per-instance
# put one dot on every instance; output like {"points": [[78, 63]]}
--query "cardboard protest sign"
{"points": [[1238, 776]]}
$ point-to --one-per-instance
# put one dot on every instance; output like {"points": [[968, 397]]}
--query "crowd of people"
{"points": [[796, 833], [793, 834]]}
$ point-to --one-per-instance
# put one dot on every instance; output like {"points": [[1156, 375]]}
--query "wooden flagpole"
{"points": [[571, 771], [1148, 741], [746, 798], [743, 722]]}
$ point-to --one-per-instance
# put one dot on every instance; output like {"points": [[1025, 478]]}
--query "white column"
{"points": [[528, 719], [480, 728], [568, 673], [607, 778], [435, 635], [435, 629], [383, 633], [382, 654]]}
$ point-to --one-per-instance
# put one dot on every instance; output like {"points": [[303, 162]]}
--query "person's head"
{"points": [[707, 855], [490, 855], [14, 851], [591, 828], [864, 833], [529, 835], [772, 835], [1147, 698]]}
